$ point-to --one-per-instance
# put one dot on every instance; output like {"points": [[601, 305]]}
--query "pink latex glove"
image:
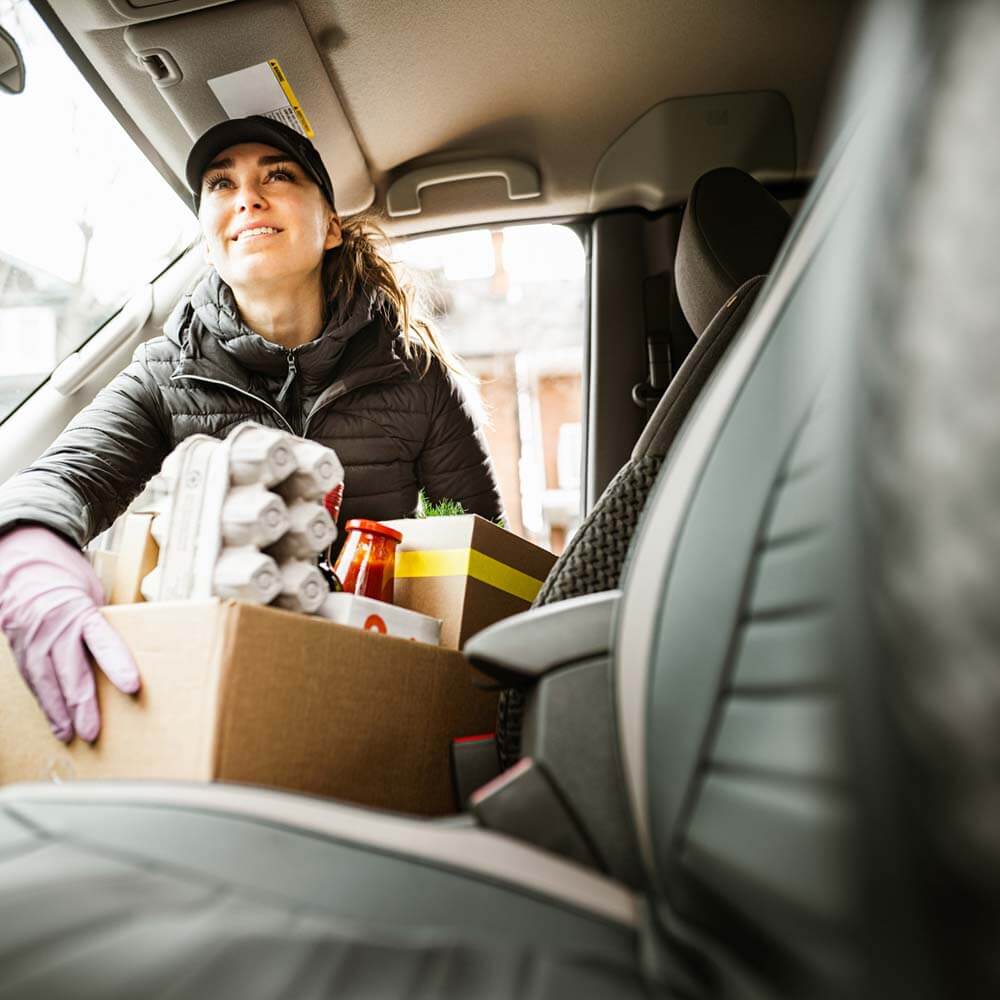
{"points": [[49, 596]]}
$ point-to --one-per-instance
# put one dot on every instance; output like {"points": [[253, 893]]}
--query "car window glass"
{"points": [[511, 303], [86, 218]]}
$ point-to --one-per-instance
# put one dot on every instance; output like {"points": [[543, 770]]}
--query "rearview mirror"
{"points": [[11, 65]]}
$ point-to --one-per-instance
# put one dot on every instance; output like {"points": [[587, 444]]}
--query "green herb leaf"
{"points": [[443, 508]]}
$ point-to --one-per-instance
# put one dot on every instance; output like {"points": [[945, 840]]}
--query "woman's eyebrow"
{"points": [[226, 162]]}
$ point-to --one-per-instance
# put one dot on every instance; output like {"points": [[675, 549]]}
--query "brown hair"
{"points": [[358, 265]]}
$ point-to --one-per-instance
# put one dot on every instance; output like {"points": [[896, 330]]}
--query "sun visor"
{"points": [[234, 60], [655, 161], [143, 10]]}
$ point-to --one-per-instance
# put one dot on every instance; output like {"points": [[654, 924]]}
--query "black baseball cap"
{"points": [[256, 128]]}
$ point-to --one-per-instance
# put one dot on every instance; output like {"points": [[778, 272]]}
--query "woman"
{"points": [[300, 324]]}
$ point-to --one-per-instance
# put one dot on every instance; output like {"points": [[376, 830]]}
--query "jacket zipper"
{"points": [[293, 370], [236, 388]]}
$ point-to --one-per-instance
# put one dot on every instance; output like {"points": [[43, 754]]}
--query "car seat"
{"points": [[730, 235], [735, 790], [769, 657]]}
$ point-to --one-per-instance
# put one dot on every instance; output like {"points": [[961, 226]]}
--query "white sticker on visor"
{"points": [[264, 90]]}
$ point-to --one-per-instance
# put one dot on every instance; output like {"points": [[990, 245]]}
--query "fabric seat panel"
{"points": [[92, 921], [347, 880], [702, 595]]}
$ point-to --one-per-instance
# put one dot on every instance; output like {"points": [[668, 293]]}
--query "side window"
{"points": [[86, 218], [511, 303]]}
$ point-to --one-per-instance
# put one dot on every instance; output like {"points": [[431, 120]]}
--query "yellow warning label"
{"points": [[293, 101]]}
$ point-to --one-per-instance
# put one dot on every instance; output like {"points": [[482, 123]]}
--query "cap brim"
{"points": [[232, 133]]}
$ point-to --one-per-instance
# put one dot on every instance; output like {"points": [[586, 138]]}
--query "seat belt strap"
{"points": [[656, 291], [668, 338]]}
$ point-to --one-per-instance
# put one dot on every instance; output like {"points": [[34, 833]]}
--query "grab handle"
{"points": [[403, 197]]}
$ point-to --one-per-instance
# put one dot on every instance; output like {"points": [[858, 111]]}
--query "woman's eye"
{"points": [[280, 174], [215, 183]]}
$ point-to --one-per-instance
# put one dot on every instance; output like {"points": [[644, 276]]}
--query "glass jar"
{"points": [[367, 562]]}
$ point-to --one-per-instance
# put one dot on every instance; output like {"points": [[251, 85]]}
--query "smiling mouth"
{"points": [[255, 233]]}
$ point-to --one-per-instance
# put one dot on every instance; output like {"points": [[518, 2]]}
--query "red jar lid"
{"points": [[360, 524]]}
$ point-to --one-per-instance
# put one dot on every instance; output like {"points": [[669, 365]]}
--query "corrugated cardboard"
{"points": [[238, 692], [466, 571], [135, 559]]}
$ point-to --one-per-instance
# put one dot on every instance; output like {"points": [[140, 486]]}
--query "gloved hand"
{"points": [[49, 596]]}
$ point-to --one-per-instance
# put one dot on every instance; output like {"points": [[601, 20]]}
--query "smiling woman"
{"points": [[267, 227], [299, 324]]}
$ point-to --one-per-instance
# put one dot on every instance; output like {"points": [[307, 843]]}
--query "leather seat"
{"points": [[127, 890], [740, 770], [732, 799]]}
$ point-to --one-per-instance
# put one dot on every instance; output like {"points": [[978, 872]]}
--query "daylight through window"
{"points": [[511, 303], [86, 218]]}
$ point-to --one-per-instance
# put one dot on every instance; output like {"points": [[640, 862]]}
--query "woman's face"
{"points": [[263, 218]]}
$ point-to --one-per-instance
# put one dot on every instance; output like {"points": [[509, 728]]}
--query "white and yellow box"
{"points": [[466, 571]]}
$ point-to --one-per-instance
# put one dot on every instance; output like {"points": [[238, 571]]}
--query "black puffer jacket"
{"points": [[350, 389]]}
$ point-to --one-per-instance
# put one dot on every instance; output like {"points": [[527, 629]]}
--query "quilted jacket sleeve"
{"points": [[99, 463], [454, 463]]}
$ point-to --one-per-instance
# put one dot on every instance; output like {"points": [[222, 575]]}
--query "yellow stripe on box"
{"points": [[293, 101], [467, 562]]}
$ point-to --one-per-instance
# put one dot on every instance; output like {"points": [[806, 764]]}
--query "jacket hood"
{"points": [[207, 327]]}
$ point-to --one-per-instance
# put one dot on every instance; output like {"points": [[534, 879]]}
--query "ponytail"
{"points": [[357, 266]]}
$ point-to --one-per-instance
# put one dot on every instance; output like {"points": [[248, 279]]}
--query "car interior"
{"points": [[747, 733]]}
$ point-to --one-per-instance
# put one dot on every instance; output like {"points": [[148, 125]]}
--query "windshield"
{"points": [[86, 218]]}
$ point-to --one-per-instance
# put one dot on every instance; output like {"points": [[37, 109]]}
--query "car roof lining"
{"points": [[394, 70]]}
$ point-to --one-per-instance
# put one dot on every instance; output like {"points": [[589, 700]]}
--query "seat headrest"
{"points": [[731, 232]]}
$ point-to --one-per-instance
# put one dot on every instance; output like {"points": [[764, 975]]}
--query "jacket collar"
{"points": [[215, 343]]}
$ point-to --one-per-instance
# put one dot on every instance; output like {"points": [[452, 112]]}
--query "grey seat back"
{"points": [[730, 682], [730, 235], [727, 699]]}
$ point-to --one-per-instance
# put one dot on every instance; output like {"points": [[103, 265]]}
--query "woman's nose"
{"points": [[250, 196]]}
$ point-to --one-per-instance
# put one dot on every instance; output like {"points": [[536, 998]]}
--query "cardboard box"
{"points": [[466, 571], [135, 560], [377, 616], [239, 692]]}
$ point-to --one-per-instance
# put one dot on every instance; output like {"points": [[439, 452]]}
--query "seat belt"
{"points": [[668, 338], [656, 292]]}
